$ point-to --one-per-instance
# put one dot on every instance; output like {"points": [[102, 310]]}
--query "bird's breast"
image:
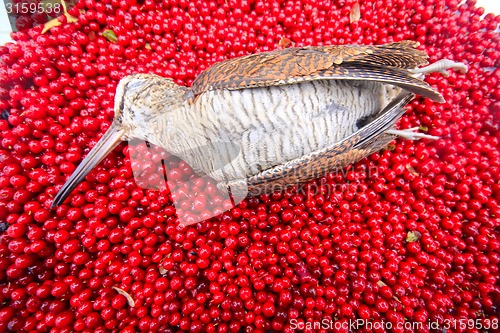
{"points": [[231, 134]]}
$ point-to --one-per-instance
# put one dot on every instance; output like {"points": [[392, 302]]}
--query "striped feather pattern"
{"points": [[270, 125], [369, 139]]}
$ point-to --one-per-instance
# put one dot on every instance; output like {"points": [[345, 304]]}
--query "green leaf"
{"points": [[110, 35]]}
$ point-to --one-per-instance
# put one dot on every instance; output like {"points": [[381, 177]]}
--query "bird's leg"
{"points": [[411, 134], [440, 67]]}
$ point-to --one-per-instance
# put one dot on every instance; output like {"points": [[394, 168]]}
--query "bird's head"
{"points": [[140, 101]]}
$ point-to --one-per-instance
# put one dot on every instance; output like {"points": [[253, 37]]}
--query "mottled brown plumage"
{"points": [[340, 101], [381, 63]]}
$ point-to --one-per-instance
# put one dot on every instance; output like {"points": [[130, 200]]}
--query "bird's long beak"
{"points": [[108, 142]]}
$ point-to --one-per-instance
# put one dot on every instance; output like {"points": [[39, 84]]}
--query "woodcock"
{"points": [[267, 120]]}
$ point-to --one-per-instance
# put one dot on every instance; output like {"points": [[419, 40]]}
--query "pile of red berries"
{"points": [[410, 235]]}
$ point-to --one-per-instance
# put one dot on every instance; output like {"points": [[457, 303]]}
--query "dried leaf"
{"points": [[162, 269], [390, 147], [110, 35], [129, 298], [413, 236], [412, 170], [355, 14], [55, 22], [147, 46], [381, 283], [284, 42], [423, 128], [49, 25], [69, 18]]}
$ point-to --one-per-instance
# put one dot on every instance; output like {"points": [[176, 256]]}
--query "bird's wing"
{"points": [[362, 143], [389, 63]]}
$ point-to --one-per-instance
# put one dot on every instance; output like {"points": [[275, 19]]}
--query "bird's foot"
{"points": [[440, 67], [411, 134]]}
